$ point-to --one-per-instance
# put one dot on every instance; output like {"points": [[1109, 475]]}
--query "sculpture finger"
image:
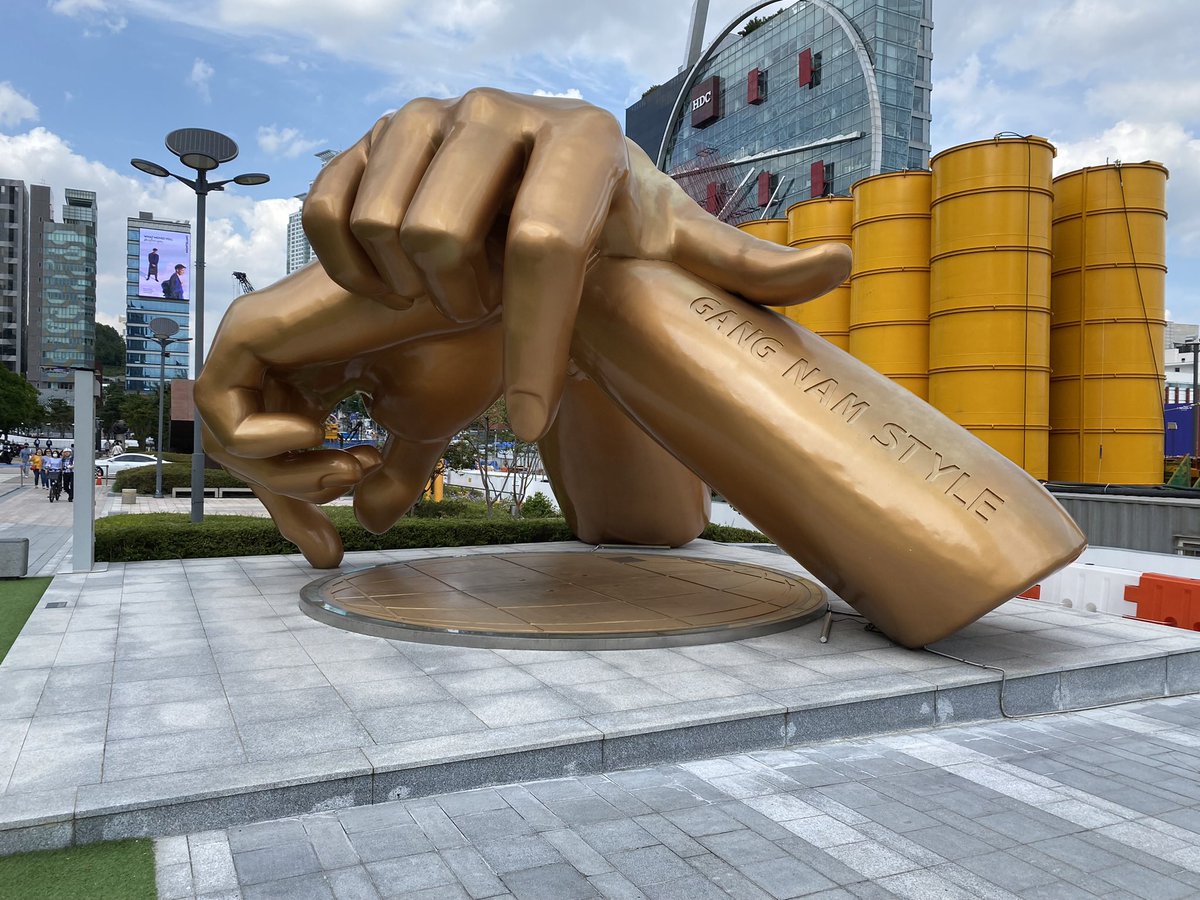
{"points": [[304, 525], [459, 200], [560, 208], [315, 477], [326, 217], [387, 493], [399, 158]]}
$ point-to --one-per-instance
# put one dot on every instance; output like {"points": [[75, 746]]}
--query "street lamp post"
{"points": [[162, 328], [1193, 346], [202, 150]]}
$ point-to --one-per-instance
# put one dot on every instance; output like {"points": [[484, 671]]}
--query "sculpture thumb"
{"points": [[759, 271]]}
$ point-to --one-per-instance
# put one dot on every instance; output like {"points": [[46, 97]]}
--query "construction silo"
{"points": [[1106, 342], [889, 287], [773, 230], [821, 221], [989, 318]]}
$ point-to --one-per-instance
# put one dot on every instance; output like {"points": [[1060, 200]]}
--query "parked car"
{"points": [[110, 466]]}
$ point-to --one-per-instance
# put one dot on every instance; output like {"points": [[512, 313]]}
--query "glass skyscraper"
{"points": [[14, 267], [155, 247], [299, 250], [804, 104], [61, 325]]}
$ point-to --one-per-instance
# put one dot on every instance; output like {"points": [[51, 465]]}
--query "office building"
{"points": [[799, 104], [154, 288], [14, 271], [299, 251], [61, 320]]}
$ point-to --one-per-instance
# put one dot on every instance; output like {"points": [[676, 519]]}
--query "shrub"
{"points": [[132, 538], [454, 508], [174, 475], [538, 507], [728, 534]]}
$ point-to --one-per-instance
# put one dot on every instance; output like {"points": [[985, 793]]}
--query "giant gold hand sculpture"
{"points": [[499, 242]]}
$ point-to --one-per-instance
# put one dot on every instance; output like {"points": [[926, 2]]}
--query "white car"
{"points": [[110, 466]]}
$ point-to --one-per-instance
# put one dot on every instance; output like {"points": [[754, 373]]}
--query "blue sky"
{"points": [[87, 84]]}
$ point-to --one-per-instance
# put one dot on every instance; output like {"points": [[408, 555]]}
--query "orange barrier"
{"points": [[1167, 599]]}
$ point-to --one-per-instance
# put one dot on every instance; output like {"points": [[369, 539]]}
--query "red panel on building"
{"points": [[706, 102], [756, 86], [764, 188], [817, 177], [713, 201], [806, 68]]}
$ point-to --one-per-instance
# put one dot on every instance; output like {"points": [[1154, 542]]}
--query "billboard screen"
{"points": [[159, 254]]}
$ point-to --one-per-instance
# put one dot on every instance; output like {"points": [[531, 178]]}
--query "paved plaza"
{"points": [[1092, 804], [273, 756]]}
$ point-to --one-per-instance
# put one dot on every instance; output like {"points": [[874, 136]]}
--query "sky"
{"points": [[85, 85]]}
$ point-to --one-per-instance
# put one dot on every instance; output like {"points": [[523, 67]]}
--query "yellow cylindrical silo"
{"points": [[773, 230], [989, 317], [820, 221], [1106, 339], [889, 287]]}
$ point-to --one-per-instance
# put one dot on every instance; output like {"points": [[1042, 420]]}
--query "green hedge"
{"points": [[137, 537], [174, 475], [727, 534], [130, 538]]}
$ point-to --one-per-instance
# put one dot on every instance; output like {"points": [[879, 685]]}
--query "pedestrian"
{"points": [[26, 452], [35, 465], [69, 475], [52, 465]]}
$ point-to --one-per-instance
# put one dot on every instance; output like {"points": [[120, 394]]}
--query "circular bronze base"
{"points": [[564, 600]]}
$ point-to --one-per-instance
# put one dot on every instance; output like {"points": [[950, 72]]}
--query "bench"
{"points": [[187, 492], [235, 492]]}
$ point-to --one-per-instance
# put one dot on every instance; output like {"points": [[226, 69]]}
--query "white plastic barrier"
{"points": [[1091, 588]]}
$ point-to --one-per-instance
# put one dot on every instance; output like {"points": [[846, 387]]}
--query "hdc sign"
{"points": [[706, 102]]}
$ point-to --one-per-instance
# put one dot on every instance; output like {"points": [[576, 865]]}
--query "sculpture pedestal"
{"points": [[606, 600]]}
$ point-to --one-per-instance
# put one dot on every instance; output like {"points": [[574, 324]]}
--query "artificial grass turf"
{"points": [[115, 870], [18, 598]]}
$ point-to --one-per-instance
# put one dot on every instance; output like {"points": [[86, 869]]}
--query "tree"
{"points": [[110, 347], [60, 415], [18, 402], [489, 439], [110, 409], [758, 22], [140, 412]]}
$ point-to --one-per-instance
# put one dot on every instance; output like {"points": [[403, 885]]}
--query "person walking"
{"points": [[26, 452], [53, 472], [68, 475], [35, 465]]}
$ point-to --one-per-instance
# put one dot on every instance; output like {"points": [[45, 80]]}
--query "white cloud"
{"points": [[92, 11], [76, 7], [15, 107], [1167, 143], [569, 93], [286, 142], [243, 233], [200, 77]]}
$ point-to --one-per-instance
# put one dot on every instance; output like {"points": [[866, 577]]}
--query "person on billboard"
{"points": [[173, 286], [152, 265]]}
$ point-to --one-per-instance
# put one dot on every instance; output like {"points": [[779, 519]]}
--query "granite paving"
{"points": [[179, 695], [869, 818]]}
